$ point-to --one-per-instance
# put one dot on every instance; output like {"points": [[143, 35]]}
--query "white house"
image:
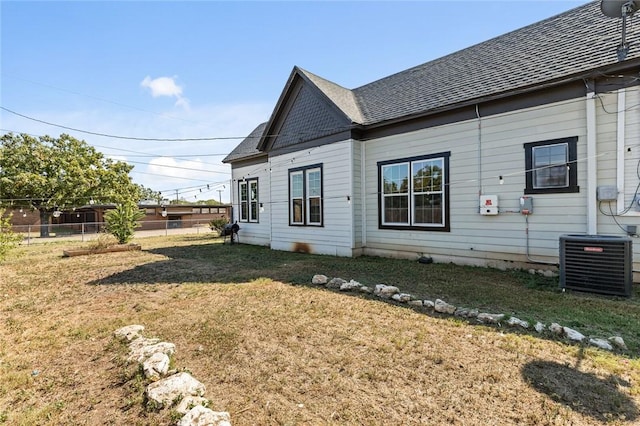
{"points": [[485, 156]]}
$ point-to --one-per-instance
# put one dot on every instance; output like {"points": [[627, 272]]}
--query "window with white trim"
{"points": [[414, 193], [248, 191], [305, 196]]}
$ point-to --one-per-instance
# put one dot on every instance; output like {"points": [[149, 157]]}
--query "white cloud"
{"points": [[183, 103], [162, 86], [166, 86]]}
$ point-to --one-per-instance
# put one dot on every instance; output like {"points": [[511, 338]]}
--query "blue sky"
{"points": [[206, 69]]}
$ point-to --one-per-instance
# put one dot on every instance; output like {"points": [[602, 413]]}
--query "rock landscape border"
{"points": [[388, 292], [169, 388]]}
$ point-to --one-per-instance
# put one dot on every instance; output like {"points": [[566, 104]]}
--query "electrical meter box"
{"points": [[607, 193], [526, 204], [488, 205]]}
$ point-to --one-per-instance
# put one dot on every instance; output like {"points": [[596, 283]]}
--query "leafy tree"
{"points": [[122, 221], [8, 238], [149, 194], [48, 174]]}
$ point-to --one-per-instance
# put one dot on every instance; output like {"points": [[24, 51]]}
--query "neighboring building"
{"points": [[485, 156], [90, 218]]}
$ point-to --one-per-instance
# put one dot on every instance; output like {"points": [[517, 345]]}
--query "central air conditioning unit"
{"points": [[596, 264]]}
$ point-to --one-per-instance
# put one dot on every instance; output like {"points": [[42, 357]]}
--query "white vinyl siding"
{"points": [[258, 230], [607, 133], [478, 157], [335, 235]]}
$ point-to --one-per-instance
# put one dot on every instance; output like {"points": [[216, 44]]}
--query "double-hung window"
{"points": [[305, 196], [248, 190], [551, 166], [414, 193]]}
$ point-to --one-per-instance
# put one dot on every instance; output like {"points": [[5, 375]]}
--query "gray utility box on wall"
{"points": [[597, 264]]}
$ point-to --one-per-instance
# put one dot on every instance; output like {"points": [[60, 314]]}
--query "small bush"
{"points": [[8, 239], [122, 221], [218, 224]]}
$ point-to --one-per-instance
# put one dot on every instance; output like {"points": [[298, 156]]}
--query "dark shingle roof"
{"points": [[248, 147], [343, 98], [576, 43], [568, 44]]}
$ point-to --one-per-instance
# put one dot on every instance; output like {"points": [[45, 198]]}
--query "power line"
{"points": [[182, 168], [118, 136]]}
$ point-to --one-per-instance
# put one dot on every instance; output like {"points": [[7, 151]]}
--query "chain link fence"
{"points": [[89, 230]]}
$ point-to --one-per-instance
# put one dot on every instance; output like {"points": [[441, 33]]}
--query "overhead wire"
{"points": [[119, 136]]}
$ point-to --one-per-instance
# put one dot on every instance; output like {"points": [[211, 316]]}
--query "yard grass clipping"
{"points": [[274, 350]]}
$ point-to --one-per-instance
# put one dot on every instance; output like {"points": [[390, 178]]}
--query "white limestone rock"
{"points": [[144, 352], [490, 318], [601, 343], [618, 342], [190, 401], [556, 329], [385, 291], [539, 327], [417, 303], [350, 286], [473, 313], [443, 307], [516, 322], [574, 335], [201, 416], [156, 366], [170, 389], [365, 289], [402, 297], [319, 279], [141, 342], [428, 304], [335, 283], [461, 312], [130, 332]]}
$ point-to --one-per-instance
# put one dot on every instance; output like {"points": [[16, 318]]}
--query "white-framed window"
{"points": [[305, 196], [248, 195], [414, 193]]}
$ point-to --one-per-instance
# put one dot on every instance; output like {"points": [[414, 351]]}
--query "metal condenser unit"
{"points": [[597, 264]]}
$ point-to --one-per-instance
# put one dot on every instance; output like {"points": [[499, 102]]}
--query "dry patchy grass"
{"points": [[272, 352]]}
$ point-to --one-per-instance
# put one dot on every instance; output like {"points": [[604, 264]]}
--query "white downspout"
{"points": [[271, 203], [592, 173], [351, 201], [363, 194], [620, 137]]}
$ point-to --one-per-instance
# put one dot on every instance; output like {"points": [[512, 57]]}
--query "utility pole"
{"points": [[220, 194]]}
